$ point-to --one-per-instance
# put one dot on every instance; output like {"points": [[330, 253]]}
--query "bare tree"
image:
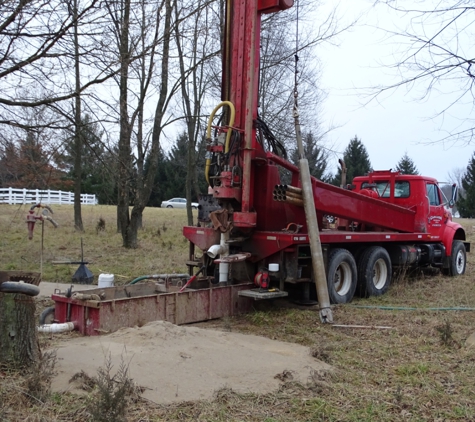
{"points": [[136, 54], [437, 55], [288, 55], [42, 46], [35, 55], [196, 47], [77, 124], [456, 176], [30, 157]]}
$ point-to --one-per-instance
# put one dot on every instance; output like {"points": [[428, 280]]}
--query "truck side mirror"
{"points": [[453, 200]]}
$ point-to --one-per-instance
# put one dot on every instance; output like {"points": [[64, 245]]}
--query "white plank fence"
{"points": [[35, 196]]}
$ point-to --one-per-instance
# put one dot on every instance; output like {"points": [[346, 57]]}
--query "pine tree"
{"points": [[356, 159], [406, 165], [170, 178], [316, 156], [9, 165], [98, 164], [466, 205], [160, 182], [176, 170]]}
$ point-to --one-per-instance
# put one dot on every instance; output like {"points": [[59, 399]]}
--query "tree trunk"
{"points": [[125, 161], [78, 225], [18, 336]]}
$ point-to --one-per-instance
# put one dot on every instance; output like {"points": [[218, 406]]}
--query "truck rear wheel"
{"points": [[374, 272], [457, 260], [341, 276]]}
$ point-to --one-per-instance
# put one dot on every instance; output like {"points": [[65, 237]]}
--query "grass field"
{"points": [[162, 248], [418, 369]]}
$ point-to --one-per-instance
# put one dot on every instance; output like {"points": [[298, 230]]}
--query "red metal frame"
{"points": [[91, 317]]}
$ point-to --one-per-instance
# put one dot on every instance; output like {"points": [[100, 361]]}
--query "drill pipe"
{"points": [[290, 194], [288, 199], [279, 190], [290, 188], [294, 201], [280, 195]]}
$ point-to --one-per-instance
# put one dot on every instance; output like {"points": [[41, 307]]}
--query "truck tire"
{"points": [[341, 276], [457, 260], [47, 316], [374, 272], [17, 287]]}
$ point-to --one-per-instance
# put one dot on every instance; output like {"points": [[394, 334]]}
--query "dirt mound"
{"points": [[178, 363]]}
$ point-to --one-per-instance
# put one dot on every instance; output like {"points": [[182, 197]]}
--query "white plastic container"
{"points": [[273, 268], [106, 280]]}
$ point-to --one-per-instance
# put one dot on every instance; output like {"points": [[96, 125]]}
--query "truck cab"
{"points": [[418, 193]]}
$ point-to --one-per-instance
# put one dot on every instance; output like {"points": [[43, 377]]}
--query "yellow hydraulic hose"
{"points": [[228, 135]]}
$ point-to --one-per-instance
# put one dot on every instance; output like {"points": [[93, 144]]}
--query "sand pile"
{"points": [[178, 363]]}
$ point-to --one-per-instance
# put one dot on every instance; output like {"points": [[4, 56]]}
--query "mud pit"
{"points": [[179, 363]]}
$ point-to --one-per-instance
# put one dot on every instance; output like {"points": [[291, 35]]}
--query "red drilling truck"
{"points": [[252, 238], [252, 226]]}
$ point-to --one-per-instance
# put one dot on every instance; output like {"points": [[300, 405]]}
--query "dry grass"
{"points": [[419, 370], [162, 248]]}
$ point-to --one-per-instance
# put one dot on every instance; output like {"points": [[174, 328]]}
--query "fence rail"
{"points": [[35, 196]]}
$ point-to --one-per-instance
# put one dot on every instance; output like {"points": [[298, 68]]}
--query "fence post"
{"points": [[10, 196]]}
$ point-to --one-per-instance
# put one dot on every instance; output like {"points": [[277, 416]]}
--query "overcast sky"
{"points": [[398, 123]]}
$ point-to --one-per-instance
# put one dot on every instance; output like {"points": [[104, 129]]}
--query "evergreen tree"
{"points": [[176, 169], [98, 164], [466, 204], [9, 171], [357, 161], [200, 166], [160, 182], [316, 156], [170, 178], [406, 165], [28, 163]]}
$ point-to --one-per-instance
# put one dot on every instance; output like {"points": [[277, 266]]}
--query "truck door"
{"points": [[436, 211]]}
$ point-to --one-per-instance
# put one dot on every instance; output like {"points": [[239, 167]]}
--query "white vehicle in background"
{"points": [[178, 203]]}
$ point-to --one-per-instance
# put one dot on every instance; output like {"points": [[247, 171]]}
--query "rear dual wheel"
{"points": [[372, 276], [341, 276], [374, 272]]}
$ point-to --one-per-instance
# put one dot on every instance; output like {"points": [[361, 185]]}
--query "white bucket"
{"points": [[106, 280]]}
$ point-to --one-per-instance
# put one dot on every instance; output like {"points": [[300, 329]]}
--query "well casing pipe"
{"points": [[318, 267]]}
